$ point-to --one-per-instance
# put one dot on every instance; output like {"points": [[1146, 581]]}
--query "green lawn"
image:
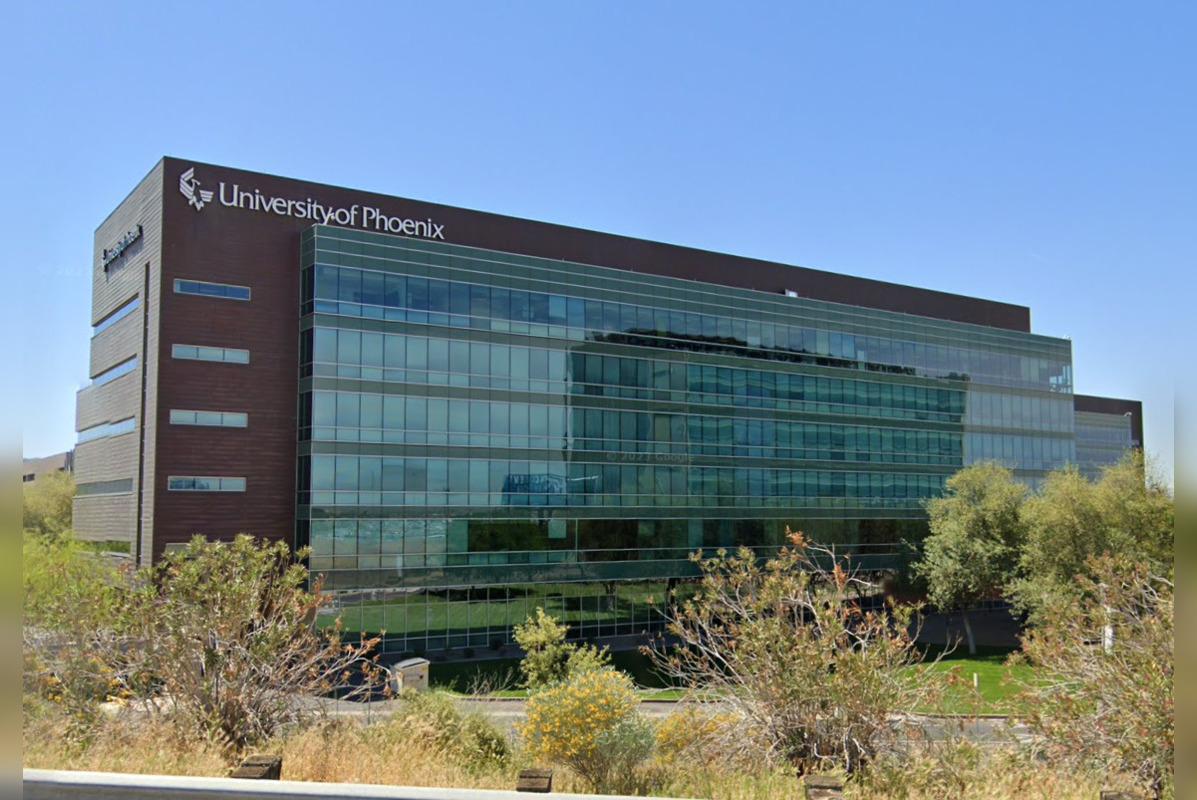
{"points": [[996, 683]]}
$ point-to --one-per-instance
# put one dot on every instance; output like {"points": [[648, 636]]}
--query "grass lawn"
{"points": [[996, 683]]}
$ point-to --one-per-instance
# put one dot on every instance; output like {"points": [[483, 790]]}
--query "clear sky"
{"points": [[1035, 153]]}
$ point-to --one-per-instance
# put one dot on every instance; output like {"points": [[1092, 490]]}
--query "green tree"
{"points": [[547, 658], [976, 535], [46, 503], [1127, 511], [1138, 510]]}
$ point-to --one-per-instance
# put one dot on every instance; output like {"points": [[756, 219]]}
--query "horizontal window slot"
{"points": [[205, 289]]}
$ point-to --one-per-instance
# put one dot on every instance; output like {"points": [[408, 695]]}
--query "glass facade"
{"points": [[1101, 439], [477, 428]]}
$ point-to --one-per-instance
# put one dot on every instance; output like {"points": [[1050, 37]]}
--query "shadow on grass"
{"points": [[464, 676]]}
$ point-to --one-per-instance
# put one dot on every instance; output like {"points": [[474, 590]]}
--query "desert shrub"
{"points": [[228, 630], [71, 614], [548, 659], [590, 724], [1105, 660], [219, 640], [690, 734], [438, 720], [812, 676]]}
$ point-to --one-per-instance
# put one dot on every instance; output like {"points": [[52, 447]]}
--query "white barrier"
{"points": [[43, 784]]}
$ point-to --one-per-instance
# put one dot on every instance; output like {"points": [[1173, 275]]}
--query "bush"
{"points": [[229, 630], [439, 721], [590, 724], [219, 640], [689, 735], [71, 614], [1106, 662], [46, 504], [547, 658], [811, 677]]}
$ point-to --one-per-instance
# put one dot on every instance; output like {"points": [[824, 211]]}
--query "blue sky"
{"points": [[1038, 154]]}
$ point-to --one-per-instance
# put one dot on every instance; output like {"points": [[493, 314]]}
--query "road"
{"points": [[990, 730]]}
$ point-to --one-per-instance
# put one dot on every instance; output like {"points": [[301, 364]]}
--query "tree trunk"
{"points": [[968, 633]]}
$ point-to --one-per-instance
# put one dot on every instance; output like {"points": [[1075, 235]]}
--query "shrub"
{"points": [[690, 735], [812, 676], [440, 722], [46, 504], [1106, 662], [71, 613], [228, 628], [219, 640], [590, 724]]}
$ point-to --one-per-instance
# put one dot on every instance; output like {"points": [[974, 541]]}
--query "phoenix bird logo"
{"points": [[189, 186]]}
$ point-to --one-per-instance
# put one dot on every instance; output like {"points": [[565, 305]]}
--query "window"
{"points": [[115, 316], [123, 368], [225, 419], [104, 487], [228, 355], [211, 289], [186, 483], [106, 429]]}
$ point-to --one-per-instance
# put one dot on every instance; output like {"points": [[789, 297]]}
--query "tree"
{"points": [[1138, 510], [804, 671], [547, 658], [976, 535], [46, 503], [219, 639], [1105, 655], [1128, 510]]}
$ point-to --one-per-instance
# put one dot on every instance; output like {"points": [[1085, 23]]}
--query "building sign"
{"points": [[354, 216], [122, 244]]}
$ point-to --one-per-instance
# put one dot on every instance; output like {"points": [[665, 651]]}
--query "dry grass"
{"points": [[395, 752], [121, 744], [959, 771], [347, 751]]}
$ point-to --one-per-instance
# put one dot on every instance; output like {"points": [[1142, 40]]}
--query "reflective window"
{"points": [[200, 353], [227, 419], [119, 486], [115, 316], [123, 368], [106, 429], [185, 483], [206, 289]]}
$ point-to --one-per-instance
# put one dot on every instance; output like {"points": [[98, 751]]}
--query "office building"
{"points": [[466, 415]]}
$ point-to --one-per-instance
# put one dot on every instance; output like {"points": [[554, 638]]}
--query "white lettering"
{"points": [[233, 196]]}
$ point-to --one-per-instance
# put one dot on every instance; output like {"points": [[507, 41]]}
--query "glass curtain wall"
{"points": [[480, 428]]}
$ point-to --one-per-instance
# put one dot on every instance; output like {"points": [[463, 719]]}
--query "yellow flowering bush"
{"points": [[590, 724]]}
